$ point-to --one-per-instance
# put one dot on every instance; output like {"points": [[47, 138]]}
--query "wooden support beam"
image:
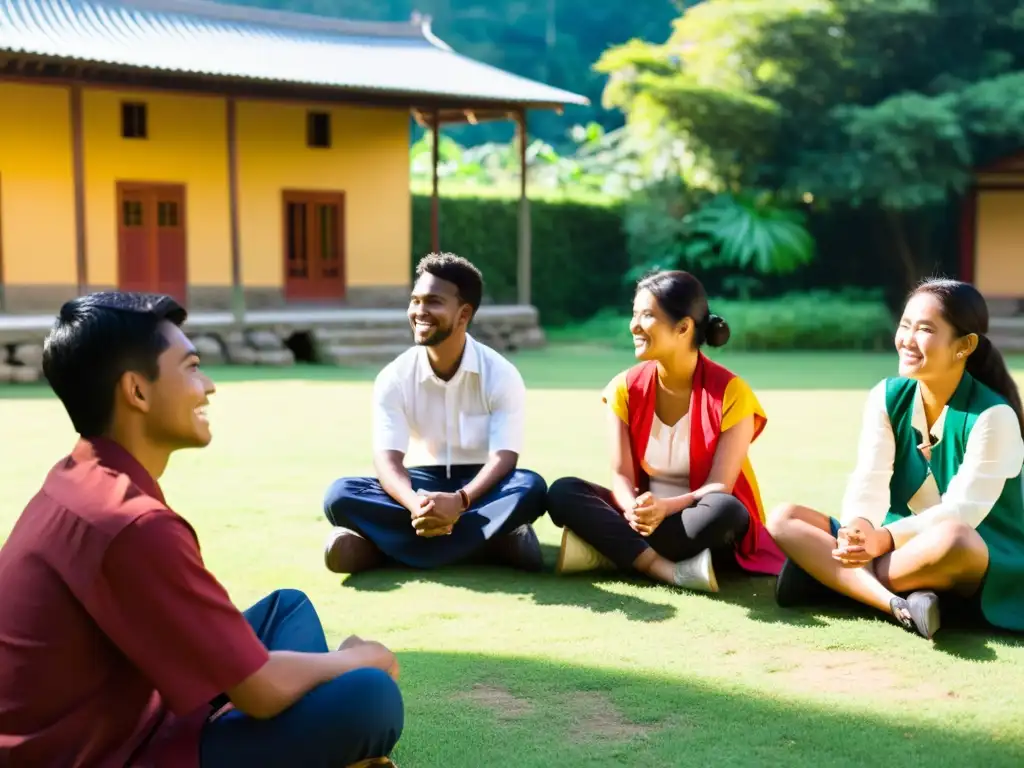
{"points": [[523, 258], [78, 171], [435, 201], [1, 244], [237, 290]]}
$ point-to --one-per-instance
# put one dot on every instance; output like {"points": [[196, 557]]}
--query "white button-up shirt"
{"points": [[994, 455], [480, 410]]}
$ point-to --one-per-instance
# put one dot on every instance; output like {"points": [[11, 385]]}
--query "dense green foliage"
{"points": [[672, 226], [578, 257], [582, 242], [594, 161], [696, 230], [877, 105], [553, 41], [817, 320]]}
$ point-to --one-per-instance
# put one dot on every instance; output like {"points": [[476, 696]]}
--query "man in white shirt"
{"points": [[461, 406]]}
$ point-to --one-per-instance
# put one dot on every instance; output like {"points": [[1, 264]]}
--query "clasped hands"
{"points": [[859, 543], [436, 514], [647, 513]]}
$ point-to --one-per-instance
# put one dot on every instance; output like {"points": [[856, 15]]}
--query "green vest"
{"points": [[1002, 530]]}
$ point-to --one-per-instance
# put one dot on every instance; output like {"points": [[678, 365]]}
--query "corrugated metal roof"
{"points": [[207, 38]]}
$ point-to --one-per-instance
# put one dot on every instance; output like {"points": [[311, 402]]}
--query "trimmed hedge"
{"points": [[578, 256], [817, 320]]}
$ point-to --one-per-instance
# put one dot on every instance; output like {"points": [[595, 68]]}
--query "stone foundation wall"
{"points": [[343, 342], [47, 299], [21, 363]]}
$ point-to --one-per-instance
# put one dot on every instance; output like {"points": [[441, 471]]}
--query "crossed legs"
{"points": [[354, 720], [678, 551], [370, 525], [949, 557]]}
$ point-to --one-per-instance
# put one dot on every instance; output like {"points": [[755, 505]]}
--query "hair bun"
{"points": [[717, 333]]}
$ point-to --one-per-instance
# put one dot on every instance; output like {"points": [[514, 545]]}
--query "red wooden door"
{"points": [[314, 245], [151, 239], [133, 250]]}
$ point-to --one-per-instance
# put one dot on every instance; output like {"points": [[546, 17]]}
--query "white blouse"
{"points": [[994, 454], [667, 459]]}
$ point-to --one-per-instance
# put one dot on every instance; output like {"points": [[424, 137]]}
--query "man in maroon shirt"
{"points": [[117, 646]]}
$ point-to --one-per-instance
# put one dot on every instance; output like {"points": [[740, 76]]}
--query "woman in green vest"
{"points": [[935, 505]]}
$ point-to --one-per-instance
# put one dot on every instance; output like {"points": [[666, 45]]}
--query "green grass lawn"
{"points": [[501, 668]]}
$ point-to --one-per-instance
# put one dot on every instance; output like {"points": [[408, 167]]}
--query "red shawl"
{"points": [[757, 551]]}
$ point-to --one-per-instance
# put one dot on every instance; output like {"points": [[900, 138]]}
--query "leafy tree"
{"points": [[878, 104], [608, 163]]}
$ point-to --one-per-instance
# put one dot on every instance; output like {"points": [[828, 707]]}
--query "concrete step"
{"points": [[1008, 342], [1007, 325], [355, 337], [19, 374], [347, 354]]}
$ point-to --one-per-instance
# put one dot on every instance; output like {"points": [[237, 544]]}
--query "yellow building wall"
{"points": [[368, 160], [999, 254], [37, 196], [186, 144]]}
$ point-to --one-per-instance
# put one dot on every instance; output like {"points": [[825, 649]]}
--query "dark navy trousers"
{"points": [[362, 505], [354, 717]]}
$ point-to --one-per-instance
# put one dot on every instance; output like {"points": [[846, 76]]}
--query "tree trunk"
{"points": [[911, 271]]}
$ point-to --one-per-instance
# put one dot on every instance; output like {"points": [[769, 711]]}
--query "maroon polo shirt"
{"points": [[114, 637]]}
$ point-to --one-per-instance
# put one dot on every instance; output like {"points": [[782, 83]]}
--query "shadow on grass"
{"points": [[961, 636], [470, 709], [25, 392], [974, 643], [582, 590], [543, 588]]}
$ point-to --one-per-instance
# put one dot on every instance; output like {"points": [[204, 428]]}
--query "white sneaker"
{"points": [[697, 573], [576, 556]]}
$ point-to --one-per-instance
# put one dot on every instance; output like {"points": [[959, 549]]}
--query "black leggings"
{"points": [[715, 522]]}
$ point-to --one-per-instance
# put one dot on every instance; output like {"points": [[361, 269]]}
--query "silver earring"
{"points": [[959, 354]]}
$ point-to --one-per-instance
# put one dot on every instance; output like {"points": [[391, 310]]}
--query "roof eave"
{"points": [[58, 68], [417, 27], [1012, 163]]}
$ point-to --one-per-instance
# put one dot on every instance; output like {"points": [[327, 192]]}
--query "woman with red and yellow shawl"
{"points": [[682, 484]]}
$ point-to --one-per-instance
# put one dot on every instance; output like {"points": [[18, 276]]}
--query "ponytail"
{"points": [[986, 364]]}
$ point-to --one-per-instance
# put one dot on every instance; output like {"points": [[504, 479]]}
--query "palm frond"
{"points": [[750, 231]]}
